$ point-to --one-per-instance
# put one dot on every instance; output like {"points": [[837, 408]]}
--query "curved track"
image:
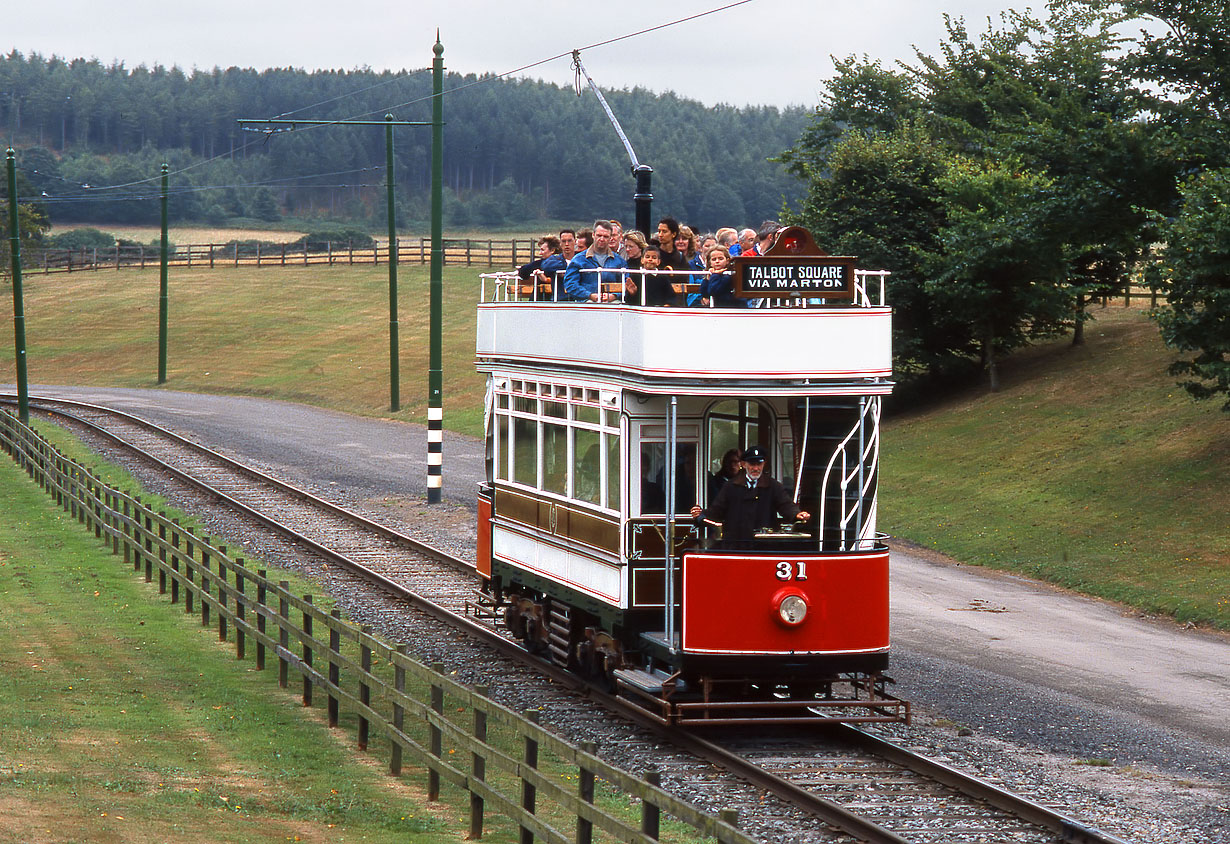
{"points": [[855, 783]]}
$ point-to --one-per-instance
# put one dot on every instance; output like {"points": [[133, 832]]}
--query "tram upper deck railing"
{"points": [[781, 346], [869, 288]]}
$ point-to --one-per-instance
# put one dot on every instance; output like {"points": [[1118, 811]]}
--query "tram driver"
{"points": [[749, 503]]}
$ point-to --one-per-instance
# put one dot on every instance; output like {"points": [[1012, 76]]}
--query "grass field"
{"points": [[301, 334], [1091, 468]]}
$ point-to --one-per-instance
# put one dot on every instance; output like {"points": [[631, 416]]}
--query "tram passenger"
{"points": [[746, 244], [744, 509], [617, 238], [585, 239], [728, 237], [718, 288], [728, 471], [634, 247], [658, 290], [567, 245], [543, 272], [668, 233], [588, 286]]}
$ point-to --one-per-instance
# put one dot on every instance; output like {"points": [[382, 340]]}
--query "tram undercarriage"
{"points": [[675, 692]]}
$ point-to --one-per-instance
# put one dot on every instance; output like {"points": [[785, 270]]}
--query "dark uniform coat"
{"points": [[744, 510]]}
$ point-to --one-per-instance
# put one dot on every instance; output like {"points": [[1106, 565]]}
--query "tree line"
{"points": [[515, 150], [1030, 166]]}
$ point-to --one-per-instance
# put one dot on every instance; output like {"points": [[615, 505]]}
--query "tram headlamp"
{"points": [[792, 609]]}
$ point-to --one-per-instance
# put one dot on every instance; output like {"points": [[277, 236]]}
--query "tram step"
{"points": [[642, 680]]}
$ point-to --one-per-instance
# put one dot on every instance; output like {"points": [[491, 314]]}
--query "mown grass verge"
{"points": [[1090, 469], [120, 720]]}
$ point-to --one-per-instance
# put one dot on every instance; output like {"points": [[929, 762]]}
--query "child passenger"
{"points": [[658, 289], [718, 288]]}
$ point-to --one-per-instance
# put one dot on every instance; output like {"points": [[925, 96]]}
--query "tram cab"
{"points": [[607, 423]]}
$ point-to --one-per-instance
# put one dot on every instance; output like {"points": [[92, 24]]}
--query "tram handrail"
{"points": [[507, 287], [872, 447]]}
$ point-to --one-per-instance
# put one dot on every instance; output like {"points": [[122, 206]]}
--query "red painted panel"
{"points": [[484, 536], [730, 603]]}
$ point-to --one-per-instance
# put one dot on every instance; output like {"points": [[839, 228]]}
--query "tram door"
{"points": [[736, 424]]}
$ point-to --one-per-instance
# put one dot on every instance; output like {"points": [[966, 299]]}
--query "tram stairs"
{"points": [[838, 439]]}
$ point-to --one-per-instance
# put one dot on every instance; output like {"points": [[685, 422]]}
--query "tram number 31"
{"points": [[787, 570]]}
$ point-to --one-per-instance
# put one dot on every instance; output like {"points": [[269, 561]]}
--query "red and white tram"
{"points": [[606, 423]]}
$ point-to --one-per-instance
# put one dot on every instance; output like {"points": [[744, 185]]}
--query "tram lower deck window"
{"points": [[654, 478]]}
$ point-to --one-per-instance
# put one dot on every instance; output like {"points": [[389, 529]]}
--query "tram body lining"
{"points": [[605, 424]]}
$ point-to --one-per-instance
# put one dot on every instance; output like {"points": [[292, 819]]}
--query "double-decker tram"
{"points": [[607, 423]]}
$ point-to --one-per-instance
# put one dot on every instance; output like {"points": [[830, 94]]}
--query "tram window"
{"points": [[610, 418], [502, 401], [587, 466], [525, 451], [737, 423], [653, 477], [585, 413], [555, 458], [501, 433], [612, 470], [555, 408], [525, 405]]}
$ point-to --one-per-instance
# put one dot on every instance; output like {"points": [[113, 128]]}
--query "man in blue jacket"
{"points": [[587, 286]]}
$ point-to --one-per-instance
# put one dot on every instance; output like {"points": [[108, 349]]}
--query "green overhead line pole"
{"points": [[388, 123], [163, 256], [435, 374], [19, 311]]}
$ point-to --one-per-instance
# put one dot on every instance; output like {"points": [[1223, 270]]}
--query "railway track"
{"points": [[859, 786]]}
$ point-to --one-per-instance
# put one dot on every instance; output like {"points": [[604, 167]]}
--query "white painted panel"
{"points": [[821, 343], [594, 577]]}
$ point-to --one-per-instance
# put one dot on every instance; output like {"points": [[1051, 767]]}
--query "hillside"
{"points": [[1090, 469]]}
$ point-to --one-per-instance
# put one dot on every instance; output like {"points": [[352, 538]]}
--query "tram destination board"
{"points": [[828, 277]]}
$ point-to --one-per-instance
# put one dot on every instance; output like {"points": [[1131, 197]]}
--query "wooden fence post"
{"points": [[436, 745], [206, 586], [162, 554], [651, 815], [149, 545], [478, 766], [221, 580], [529, 792], [399, 711], [261, 597], [585, 828], [283, 635], [365, 687], [175, 563], [190, 571], [335, 669], [240, 610], [307, 651]]}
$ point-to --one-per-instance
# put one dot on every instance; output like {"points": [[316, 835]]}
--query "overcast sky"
{"points": [[764, 52]]}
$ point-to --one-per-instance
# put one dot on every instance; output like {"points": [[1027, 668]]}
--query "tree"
{"points": [[32, 222], [1000, 271], [1196, 272]]}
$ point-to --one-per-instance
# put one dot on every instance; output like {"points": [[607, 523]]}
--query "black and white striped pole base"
{"points": [[435, 454]]}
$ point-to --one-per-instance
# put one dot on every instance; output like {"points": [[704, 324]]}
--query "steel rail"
{"points": [[290, 489], [837, 816]]}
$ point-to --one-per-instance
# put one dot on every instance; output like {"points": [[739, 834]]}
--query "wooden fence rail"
{"points": [[458, 252], [507, 762]]}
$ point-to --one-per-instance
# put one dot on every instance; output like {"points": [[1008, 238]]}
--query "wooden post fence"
{"points": [[454, 735]]}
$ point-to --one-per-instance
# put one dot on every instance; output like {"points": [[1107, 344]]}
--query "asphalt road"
{"points": [[1003, 655]]}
